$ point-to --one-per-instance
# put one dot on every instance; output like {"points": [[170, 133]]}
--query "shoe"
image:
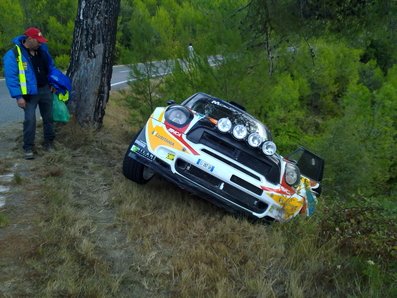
{"points": [[29, 154], [49, 147], [34, 149]]}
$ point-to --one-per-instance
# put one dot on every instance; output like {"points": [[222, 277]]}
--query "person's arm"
{"points": [[21, 102], [11, 74]]}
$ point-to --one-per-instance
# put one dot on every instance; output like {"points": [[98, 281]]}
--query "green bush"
{"points": [[62, 61], [365, 230], [360, 146]]}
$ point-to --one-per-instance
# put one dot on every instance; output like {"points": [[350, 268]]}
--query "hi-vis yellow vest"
{"points": [[21, 73]]}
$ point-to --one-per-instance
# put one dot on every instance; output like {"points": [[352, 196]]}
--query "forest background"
{"points": [[321, 74]]}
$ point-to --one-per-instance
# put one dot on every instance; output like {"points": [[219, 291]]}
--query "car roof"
{"points": [[230, 105]]}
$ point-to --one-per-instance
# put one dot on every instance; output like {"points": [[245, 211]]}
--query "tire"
{"points": [[134, 170]]}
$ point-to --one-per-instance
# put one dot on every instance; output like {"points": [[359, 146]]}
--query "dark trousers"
{"points": [[44, 100]]}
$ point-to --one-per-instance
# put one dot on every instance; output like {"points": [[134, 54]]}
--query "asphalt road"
{"points": [[10, 112]]}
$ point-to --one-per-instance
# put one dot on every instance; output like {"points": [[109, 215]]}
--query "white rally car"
{"points": [[218, 151]]}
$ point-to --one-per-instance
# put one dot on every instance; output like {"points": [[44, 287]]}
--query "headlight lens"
{"points": [[177, 115], [240, 131], [254, 140], [224, 124], [292, 174], [269, 148]]}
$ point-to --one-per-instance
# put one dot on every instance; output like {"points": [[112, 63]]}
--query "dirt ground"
{"points": [[23, 211], [19, 209]]}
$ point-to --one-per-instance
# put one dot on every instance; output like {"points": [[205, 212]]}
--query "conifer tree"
{"points": [[92, 59]]}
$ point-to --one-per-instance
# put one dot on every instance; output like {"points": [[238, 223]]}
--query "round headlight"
{"points": [[240, 131], [224, 124], [269, 148], [177, 115], [254, 140], [292, 174]]}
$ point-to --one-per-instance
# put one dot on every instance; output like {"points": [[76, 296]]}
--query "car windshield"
{"points": [[217, 109]]}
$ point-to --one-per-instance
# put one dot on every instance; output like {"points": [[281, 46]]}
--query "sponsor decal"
{"points": [[215, 102], [282, 190], [174, 132], [311, 202], [290, 205], [170, 156], [179, 136], [164, 139], [142, 152], [141, 143]]}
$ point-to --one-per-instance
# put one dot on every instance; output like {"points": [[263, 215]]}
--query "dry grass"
{"points": [[101, 235], [189, 248]]}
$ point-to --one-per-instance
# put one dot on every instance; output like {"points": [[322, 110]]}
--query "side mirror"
{"points": [[170, 102], [310, 165]]}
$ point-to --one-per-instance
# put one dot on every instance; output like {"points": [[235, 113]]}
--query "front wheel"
{"points": [[134, 170]]}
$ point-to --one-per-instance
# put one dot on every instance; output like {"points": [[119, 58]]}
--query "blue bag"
{"points": [[61, 83]]}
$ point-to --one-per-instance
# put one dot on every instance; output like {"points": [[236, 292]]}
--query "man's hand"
{"points": [[21, 102]]}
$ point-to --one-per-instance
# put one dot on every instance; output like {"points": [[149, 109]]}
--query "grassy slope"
{"points": [[94, 233]]}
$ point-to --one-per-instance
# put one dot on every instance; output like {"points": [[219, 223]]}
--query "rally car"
{"points": [[215, 149]]}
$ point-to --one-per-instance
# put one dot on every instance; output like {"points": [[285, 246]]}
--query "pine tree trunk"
{"points": [[91, 61]]}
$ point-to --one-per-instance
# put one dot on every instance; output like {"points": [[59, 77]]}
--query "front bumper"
{"points": [[222, 184], [209, 188]]}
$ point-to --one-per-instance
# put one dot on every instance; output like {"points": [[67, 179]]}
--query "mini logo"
{"points": [[215, 102]]}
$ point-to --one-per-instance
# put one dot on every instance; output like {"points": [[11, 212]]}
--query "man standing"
{"points": [[26, 69]]}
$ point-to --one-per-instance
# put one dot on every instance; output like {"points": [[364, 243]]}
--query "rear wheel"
{"points": [[134, 170]]}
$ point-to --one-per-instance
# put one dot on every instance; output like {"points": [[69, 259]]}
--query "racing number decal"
{"points": [[205, 165]]}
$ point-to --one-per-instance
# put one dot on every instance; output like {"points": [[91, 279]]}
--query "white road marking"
{"points": [[119, 83]]}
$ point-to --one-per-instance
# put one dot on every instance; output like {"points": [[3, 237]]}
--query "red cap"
{"points": [[36, 34]]}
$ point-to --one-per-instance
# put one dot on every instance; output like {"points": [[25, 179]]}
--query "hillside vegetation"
{"points": [[82, 229], [320, 74]]}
